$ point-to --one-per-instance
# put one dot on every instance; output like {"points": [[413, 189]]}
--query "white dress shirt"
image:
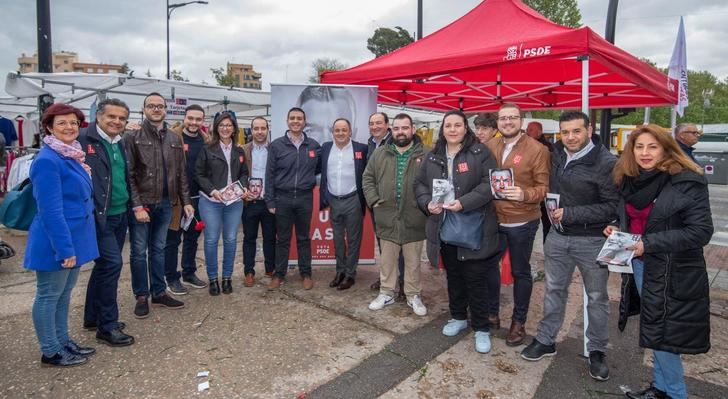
{"points": [[341, 172]]}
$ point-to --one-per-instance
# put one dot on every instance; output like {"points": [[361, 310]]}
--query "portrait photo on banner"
{"points": [[323, 104]]}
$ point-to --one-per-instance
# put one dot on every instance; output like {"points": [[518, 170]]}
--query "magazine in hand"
{"points": [[232, 193], [186, 221], [442, 191], [614, 253], [499, 180], [255, 187], [552, 204]]}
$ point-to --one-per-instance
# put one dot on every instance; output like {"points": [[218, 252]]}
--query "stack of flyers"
{"points": [[615, 253], [499, 180], [232, 193], [552, 204], [442, 191]]}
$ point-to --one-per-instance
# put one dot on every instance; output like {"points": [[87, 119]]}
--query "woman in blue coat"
{"points": [[62, 236]]}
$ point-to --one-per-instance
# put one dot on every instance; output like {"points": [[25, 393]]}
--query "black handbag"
{"points": [[463, 229]]}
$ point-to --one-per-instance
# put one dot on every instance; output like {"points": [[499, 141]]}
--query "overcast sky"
{"points": [[281, 38]]}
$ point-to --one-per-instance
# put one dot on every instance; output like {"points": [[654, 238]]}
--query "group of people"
{"points": [[91, 184]]}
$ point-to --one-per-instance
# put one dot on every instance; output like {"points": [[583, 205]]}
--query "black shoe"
{"points": [[167, 301], [73, 348], [91, 325], [214, 287], [141, 309], [346, 284], [193, 282], [649, 393], [337, 280], [227, 286], [114, 338], [537, 351], [62, 359], [176, 288], [598, 369]]}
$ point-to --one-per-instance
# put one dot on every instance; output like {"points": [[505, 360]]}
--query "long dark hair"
{"points": [[216, 125], [468, 140]]}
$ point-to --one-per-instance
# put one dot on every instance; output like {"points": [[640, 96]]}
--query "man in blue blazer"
{"points": [[101, 141], [342, 165]]}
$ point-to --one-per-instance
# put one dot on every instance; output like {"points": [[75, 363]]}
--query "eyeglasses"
{"points": [[695, 133], [509, 118], [64, 124], [157, 107]]}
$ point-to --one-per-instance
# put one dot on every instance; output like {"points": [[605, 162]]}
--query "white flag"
{"points": [[678, 70]]}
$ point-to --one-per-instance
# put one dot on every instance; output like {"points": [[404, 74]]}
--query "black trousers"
{"points": [[467, 286], [101, 305], [256, 214], [294, 211]]}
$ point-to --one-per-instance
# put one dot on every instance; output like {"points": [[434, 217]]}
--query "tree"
{"points": [[562, 12], [223, 77], [321, 65], [177, 75], [125, 69], [386, 40], [148, 73], [707, 103]]}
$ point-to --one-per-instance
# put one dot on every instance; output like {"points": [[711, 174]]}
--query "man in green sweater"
{"points": [[105, 154]]}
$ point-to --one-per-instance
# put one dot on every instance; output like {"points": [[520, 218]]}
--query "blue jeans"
{"points": [[668, 372], [101, 306], [220, 218], [50, 309], [520, 243], [147, 249]]}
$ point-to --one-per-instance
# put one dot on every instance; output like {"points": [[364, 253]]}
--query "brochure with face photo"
{"points": [[615, 255], [255, 186], [232, 193], [552, 203], [442, 191], [499, 180]]}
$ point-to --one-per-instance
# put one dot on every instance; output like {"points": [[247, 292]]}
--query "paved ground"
{"points": [[326, 344]]}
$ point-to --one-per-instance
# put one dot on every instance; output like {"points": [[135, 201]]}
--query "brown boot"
{"points": [[494, 321], [249, 280], [275, 282], [516, 334], [307, 283]]}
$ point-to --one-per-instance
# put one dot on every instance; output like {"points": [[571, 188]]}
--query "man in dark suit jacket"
{"points": [[342, 165], [105, 154]]}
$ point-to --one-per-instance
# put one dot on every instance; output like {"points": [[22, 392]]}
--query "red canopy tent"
{"points": [[503, 51]]}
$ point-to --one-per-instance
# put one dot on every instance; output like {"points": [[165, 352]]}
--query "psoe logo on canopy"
{"points": [[517, 51]]}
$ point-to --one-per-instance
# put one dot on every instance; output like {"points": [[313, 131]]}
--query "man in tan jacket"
{"points": [[519, 212]]}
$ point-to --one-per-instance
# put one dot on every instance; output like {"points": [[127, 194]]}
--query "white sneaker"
{"points": [[381, 301], [416, 304]]}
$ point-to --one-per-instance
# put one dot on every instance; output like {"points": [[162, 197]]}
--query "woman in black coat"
{"points": [[460, 159], [665, 199]]}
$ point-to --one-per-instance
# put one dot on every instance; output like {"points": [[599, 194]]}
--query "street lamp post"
{"points": [[170, 8]]}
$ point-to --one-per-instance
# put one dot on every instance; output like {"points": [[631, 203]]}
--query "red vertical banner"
{"points": [[322, 238]]}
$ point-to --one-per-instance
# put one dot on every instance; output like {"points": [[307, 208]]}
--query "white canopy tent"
{"points": [[81, 90]]}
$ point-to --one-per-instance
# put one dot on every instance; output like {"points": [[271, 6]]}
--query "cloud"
{"points": [[281, 39]]}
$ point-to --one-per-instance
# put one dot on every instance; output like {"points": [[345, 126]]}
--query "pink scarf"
{"points": [[72, 151]]}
